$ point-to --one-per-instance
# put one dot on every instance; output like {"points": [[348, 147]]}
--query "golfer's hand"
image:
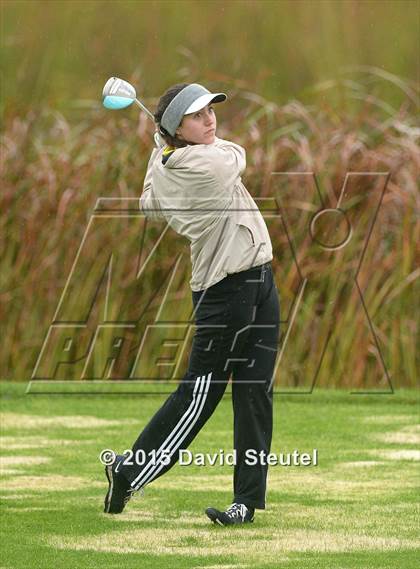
{"points": [[159, 141]]}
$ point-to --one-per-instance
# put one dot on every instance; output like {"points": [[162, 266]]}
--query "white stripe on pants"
{"points": [[178, 434]]}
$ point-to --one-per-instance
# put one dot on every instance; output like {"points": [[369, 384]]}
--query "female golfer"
{"points": [[194, 183]]}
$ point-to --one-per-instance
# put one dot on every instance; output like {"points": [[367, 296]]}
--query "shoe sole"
{"points": [[108, 472]]}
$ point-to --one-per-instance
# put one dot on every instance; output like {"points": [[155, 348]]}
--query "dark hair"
{"points": [[164, 101]]}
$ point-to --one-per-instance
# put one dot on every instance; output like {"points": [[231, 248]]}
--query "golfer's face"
{"points": [[199, 127]]}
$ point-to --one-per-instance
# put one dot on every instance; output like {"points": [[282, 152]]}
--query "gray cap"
{"points": [[191, 99]]}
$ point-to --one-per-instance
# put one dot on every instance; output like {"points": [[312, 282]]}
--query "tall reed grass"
{"points": [[54, 170]]}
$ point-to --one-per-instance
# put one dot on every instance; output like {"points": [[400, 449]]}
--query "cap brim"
{"points": [[204, 100]]}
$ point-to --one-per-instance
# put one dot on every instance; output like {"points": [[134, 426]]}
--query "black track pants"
{"points": [[237, 332]]}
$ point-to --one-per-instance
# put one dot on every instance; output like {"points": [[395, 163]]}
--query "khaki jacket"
{"points": [[199, 192]]}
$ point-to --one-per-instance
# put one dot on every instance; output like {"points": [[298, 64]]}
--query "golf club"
{"points": [[119, 94]]}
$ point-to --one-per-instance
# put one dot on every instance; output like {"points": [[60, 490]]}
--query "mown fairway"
{"points": [[357, 509]]}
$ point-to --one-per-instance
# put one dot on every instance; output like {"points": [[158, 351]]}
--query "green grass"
{"points": [[355, 510]]}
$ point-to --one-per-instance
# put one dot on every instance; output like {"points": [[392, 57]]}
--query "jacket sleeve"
{"points": [[226, 161], [148, 202]]}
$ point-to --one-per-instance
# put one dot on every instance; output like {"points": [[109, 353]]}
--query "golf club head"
{"points": [[118, 94]]}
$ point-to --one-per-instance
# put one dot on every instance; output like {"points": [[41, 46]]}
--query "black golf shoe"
{"points": [[235, 514], [119, 489]]}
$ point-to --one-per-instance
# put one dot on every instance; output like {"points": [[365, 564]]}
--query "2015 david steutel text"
{"points": [[252, 457]]}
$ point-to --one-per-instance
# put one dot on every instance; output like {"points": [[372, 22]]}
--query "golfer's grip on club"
{"points": [[159, 141]]}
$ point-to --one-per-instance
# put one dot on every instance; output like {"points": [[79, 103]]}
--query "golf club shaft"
{"points": [[159, 142], [143, 108]]}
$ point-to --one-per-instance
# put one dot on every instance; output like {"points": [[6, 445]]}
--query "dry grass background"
{"points": [[55, 168]]}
